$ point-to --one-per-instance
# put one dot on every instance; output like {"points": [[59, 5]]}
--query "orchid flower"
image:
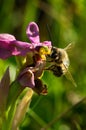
{"points": [[34, 53], [33, 56]]}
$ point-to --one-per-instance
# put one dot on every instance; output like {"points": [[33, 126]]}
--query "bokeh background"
{"points": [[67, 22]]}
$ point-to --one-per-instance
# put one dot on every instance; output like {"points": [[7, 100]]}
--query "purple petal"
{"points": [[33, 32], [5, 48], [6, 37], [47, 43], [21, 48], [9, 46], [26, 78], [5, 53]]}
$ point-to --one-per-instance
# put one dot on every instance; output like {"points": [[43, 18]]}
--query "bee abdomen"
{"points": [[57, 70]]}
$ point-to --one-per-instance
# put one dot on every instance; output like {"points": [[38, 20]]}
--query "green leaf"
{"points": [[21, 109]]}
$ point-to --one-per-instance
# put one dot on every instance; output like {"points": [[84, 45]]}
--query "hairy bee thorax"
{"points": [[59, 61], [59, 56]]}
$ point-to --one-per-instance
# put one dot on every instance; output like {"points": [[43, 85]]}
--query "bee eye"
{"points": [[54, 53]]}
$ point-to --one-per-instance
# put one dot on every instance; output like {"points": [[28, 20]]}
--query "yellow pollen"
{"points": [[44, 51]]}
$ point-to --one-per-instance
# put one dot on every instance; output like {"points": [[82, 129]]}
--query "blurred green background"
{"points": [[67, 22]]}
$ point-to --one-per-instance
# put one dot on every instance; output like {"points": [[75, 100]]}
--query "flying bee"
{"points": [[59, 62]]}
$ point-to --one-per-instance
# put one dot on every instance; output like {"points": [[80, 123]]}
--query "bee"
{"points": [[59, 62]]}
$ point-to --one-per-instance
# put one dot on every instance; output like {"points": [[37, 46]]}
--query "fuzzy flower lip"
{"points": [[9, 46], [26, 78]]}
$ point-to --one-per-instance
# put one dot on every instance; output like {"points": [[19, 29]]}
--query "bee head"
{"points": [[56, 55]]}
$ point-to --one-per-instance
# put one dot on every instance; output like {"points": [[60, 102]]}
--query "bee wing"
{"points": [[69, 47], [69, 76]]}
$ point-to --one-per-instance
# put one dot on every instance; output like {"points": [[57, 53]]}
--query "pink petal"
{"points": [[21, 48], [6, 37], [5, 48], [5, 53], [33, 32], [9, 46], [47, 43]]}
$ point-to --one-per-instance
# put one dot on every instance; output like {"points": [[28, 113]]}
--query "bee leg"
{"points": [[51, 67]]}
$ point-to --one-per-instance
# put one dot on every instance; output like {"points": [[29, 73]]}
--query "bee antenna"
{"points": [[49, 32], [69, 47]]}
